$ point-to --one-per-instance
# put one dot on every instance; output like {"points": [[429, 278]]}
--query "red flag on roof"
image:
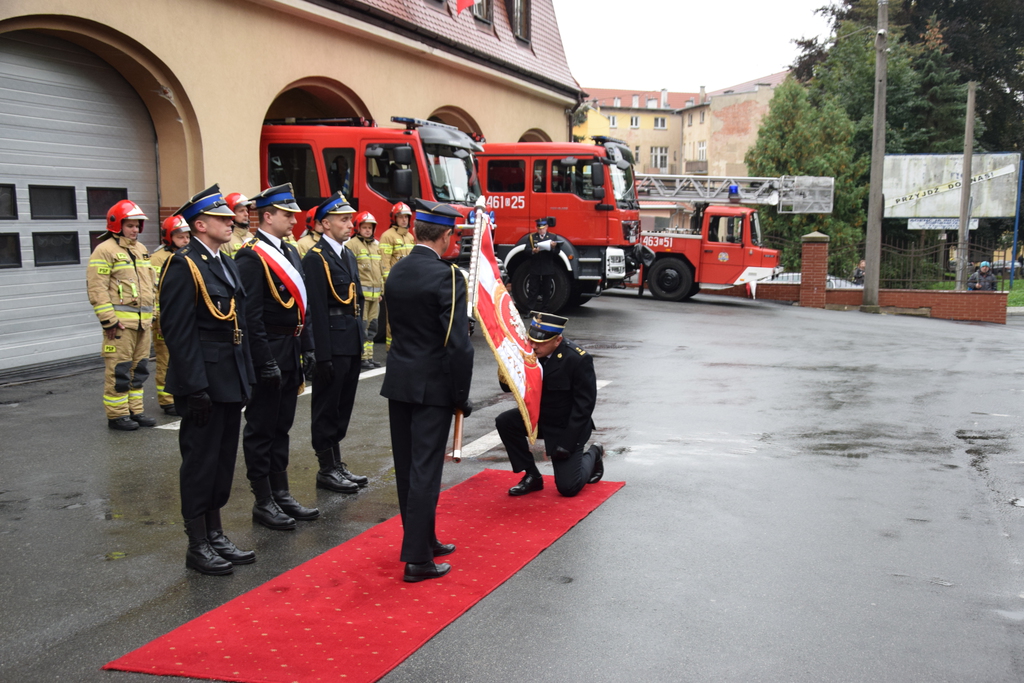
{"points": [[463, 4]]}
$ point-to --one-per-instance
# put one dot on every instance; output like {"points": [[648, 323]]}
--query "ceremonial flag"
{"points": [[503, 328], [287, 273], [463, 4]]}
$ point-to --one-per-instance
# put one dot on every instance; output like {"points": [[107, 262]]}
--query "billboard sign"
{"points": [[928, 185]]}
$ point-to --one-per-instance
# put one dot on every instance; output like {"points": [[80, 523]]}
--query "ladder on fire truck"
{"points": [[788, 194]]}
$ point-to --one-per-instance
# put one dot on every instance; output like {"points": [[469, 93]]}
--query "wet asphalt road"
{"points": [[811, 496]]}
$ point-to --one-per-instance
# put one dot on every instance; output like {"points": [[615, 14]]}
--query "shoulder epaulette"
{"points": [[316, 249], [580, 351]]}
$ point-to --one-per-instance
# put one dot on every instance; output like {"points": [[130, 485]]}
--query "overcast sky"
{"points": [[680, 44]]}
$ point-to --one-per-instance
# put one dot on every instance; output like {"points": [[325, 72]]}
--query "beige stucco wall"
{"points": [[646, 136], [209, 70], [735, 120], [695, 131]]}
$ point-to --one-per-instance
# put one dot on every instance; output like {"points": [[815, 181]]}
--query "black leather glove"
{"points": [[324, 372], [308, 365], [270, 375], [200, 407], [560, 454], [472, 326], [466, 408]]}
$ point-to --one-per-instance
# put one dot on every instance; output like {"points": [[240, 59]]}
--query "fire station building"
{"points": [[156, 100]]}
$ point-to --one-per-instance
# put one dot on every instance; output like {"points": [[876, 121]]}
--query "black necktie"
{"points": [[219, 268]]}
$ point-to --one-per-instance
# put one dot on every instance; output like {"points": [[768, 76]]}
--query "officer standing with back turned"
{"points": [[202, 316]]}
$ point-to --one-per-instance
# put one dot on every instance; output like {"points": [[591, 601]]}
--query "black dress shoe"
{"points": [[266, 510], [442, 549], [223, 546], [357, 479], [377, 364], [598, 472], [528, 484], [424, 570], [123, 424], [169, 409], [144, 420], [366, 365]]}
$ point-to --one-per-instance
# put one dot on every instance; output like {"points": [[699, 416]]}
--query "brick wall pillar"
{"points": [[814, 269]]}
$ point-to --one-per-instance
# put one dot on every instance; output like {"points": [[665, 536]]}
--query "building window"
{"points": [[48, 202], [482, 10], [10, 250], [55, 248], [618, 102], [659, 122], [634, 121], [689, 119], [613, 121], [8, 203], [702, 116], [702, 150], [636, 153], [519, 15], [659, 158], [101, 199]]}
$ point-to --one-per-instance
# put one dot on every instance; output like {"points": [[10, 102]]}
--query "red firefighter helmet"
{"points": [[171, 226], [124, 209], [304, 223], [364, 217], [399, 209], [236, 198]]}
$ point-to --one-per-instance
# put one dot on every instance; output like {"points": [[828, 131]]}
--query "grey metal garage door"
{"points": [[75, 137]]}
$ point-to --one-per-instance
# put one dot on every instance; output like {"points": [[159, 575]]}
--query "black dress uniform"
{"points": [[567, 403], [429, 370], [335, 300], [543, 265], [277, 338], [202, 317]]}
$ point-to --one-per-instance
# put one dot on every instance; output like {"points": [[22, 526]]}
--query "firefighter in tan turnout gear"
{"points": [[314, 231], [367, 251], [174, 233], [120, 283], [240, 234], [395, 244]]}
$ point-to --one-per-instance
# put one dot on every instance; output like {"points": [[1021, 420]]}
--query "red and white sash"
{"points": [[286, 272]]}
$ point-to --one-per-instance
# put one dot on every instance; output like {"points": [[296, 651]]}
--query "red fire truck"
{"points": [[721, 245], [374, 167], [587, 189]]}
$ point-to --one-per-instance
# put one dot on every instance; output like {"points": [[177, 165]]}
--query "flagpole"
{"points": [[474, 265]]}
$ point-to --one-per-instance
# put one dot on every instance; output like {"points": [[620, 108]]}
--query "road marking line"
{"points": [[308, 390]]}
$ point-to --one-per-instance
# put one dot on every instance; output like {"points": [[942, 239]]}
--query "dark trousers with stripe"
{"points": [[419, 436], [268, 419], [207, 457]]}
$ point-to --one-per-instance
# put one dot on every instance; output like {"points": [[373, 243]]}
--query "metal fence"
{"points": [[905, 264]]}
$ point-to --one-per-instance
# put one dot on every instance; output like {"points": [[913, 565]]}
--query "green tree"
{"points": [[798, 138]]}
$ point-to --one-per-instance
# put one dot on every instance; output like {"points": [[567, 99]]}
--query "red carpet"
{"points": [[347, 614]]}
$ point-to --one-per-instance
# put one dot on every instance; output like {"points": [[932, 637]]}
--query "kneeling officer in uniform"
{"points": [[566, 405]]}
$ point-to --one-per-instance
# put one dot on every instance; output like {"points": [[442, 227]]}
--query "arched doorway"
{"points": [[458, 117], [535, 135], [317, 98]]}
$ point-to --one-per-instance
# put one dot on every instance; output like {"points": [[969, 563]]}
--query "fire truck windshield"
{"points": [[755, 230], [452, 173], [622, 184]]}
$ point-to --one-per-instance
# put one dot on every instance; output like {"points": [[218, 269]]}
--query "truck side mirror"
{"points": [[597, 174], [599, 193], [401, 182], [402, 155]]}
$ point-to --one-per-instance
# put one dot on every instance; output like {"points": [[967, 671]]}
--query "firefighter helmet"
{"points": [[171, 226], [364, 217], [121, 211], [236, 198], [399, 209]]}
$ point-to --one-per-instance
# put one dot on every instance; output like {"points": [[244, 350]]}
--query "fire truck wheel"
{"points": [[670, 279], [522, 289]]}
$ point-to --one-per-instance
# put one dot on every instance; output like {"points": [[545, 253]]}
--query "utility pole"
{"points": [[963, 257], [873, 238]]}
